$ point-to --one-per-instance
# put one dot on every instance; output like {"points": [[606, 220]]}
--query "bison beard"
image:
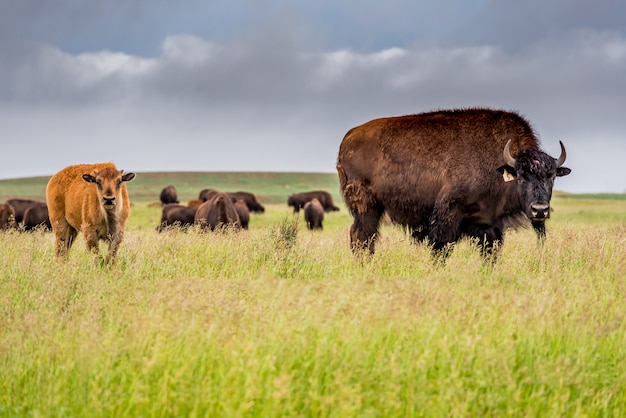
{"points": [[445, 175]]}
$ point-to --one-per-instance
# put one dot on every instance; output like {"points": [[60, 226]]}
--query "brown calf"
{"points": [[91, 198]]}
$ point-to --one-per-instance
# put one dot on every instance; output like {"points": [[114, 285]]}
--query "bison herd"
{"points": [[25, 214], [441, 175], [215, 209], [93, 199]]}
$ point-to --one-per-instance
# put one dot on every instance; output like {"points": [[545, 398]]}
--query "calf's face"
{"points": [[108, 185]]}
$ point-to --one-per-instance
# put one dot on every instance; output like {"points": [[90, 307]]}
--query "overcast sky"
{"points": [[271, 85]]}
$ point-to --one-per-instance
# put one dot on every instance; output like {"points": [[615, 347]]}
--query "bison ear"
{"points": [[128, 176], [89, 178], [508, 173], [562, 171]]}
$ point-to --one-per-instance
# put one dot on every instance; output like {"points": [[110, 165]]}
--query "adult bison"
{"points": [[20, 206], [36, 216], [447, 174], [91, 198], [169, 195], [30, 214], [313, 214], [7, 217], [248, 198], [218, 212], [251, 201], [175, 215], [298, 200]]}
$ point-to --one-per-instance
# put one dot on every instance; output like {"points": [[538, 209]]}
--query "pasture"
{"points": [[282, 321]]}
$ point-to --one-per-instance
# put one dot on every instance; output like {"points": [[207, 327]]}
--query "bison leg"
{"points": [[114, 245], [91, 238], [489, 239], [445, 226], [64, 235]]}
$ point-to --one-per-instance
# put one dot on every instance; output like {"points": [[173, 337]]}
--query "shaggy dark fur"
{"points": [[441, 175]]}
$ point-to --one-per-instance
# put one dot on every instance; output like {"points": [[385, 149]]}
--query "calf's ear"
{"points": [[508, 173], [562, 171], [89, 178], [128, 176]]}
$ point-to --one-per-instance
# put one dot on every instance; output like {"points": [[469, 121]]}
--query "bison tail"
{"points": [[357, 197]]}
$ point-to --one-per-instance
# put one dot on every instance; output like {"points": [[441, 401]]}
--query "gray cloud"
{"points": [[276, 97]]}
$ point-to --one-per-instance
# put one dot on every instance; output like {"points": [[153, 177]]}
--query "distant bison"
{"points": [[7, 217], [248, 198], [251, 201], [298, 200], [218, 212], [91, 198], [447, 174], [36, 216], [20, 206], [243, 212], [37, 213], [313, 214], [169, 195], [175, 215]]}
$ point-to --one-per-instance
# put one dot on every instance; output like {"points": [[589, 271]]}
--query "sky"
{"points": [[271, 85]]}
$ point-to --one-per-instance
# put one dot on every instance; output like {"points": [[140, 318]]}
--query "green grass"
{"points": [[281, 321]]}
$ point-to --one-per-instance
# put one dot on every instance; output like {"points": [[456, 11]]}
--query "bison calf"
{"points": [[313, 214], [91, 198]]}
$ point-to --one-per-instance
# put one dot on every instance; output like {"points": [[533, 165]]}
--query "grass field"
{"points": [[281, 321]]}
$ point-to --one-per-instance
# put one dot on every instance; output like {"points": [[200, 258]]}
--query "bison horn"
{"points": [[561, 159], [507, 155]]}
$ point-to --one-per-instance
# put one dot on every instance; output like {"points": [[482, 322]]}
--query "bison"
{"points": [[169, 195], [91, 198], [243, 212], [298, 200], [30, 214], [20, 206], [36, 216], [313, 214], [174, 214], [447, 174], [218, 212], [251, 201], [7, 217], [248, 198]]}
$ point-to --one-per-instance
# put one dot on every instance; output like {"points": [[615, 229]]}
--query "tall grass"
{"points": [[282, 321]]}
